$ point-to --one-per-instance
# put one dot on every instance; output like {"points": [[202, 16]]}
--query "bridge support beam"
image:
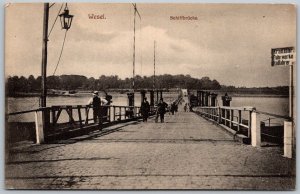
{"points": [[213, 99], [152, 98], [143, 95], [288, 139], [255, 131], [206, 94]]}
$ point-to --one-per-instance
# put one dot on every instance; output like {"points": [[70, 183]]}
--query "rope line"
{"points": [[61, 51]]}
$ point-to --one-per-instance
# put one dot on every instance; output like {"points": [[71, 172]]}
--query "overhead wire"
{"points": [[61, 51]]}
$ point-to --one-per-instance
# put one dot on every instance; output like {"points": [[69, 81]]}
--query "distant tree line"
{"points": [[16, 85], [278, 90], [31, 84]]}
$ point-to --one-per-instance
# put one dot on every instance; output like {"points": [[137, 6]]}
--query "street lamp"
{"points": [[66, 19]]}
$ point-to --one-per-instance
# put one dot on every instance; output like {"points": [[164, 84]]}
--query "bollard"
{"points": [[255, 131], [288, 139], [39, 127]]}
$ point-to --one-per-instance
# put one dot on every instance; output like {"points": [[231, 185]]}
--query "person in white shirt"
{"points": [[103, 101], [98, 111], [95, 101]]}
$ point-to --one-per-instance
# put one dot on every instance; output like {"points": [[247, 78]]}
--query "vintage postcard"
{"points": [[150, 96]]}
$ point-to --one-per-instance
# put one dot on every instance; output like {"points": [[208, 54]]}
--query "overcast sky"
{"points": [[229, 43]]}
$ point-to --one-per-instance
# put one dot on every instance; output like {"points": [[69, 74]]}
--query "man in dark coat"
{"points": [[161, 110], [96, 102], [145, 108]]}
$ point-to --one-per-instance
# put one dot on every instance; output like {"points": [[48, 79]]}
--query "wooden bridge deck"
{"points": [[185, 152]]}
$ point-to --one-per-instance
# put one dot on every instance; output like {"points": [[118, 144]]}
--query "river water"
{"points": [[275, 105]]}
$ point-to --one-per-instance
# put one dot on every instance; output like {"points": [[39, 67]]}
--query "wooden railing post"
{"points": [[220, 115], [109, 113], [255, 131], [239, 120], [69, 109], [288, 139], [87, 115], [114, 113], [249, 124], [39, 127], [231, 118], [79, 115], [53, 111], [120, 118], [225, 119]]}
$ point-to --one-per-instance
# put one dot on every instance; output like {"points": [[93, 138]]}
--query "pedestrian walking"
{"points": [[185, 107], [145, 109], [161, 110]]}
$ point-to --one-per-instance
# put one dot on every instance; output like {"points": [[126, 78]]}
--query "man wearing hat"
{"points": [[96, 102]]}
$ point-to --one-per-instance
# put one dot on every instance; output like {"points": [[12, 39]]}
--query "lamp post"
{"points": [[44, 55], [66, 21]]}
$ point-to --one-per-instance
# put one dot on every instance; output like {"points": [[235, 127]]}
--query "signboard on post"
{"points": [[287, 56], [283, 56]]}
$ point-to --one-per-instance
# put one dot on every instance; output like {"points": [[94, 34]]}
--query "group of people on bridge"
{"points": [[160, 111], [162, 108]]}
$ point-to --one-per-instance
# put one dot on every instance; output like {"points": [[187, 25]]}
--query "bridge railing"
{"points": [[64, 119], [236, 118], [256, 125]]}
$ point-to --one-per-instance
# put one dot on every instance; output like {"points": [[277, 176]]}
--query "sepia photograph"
{"points": [[150, 96]]}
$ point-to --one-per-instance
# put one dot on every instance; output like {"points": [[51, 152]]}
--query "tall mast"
{"points": [[154, 68], [133, 69]]}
